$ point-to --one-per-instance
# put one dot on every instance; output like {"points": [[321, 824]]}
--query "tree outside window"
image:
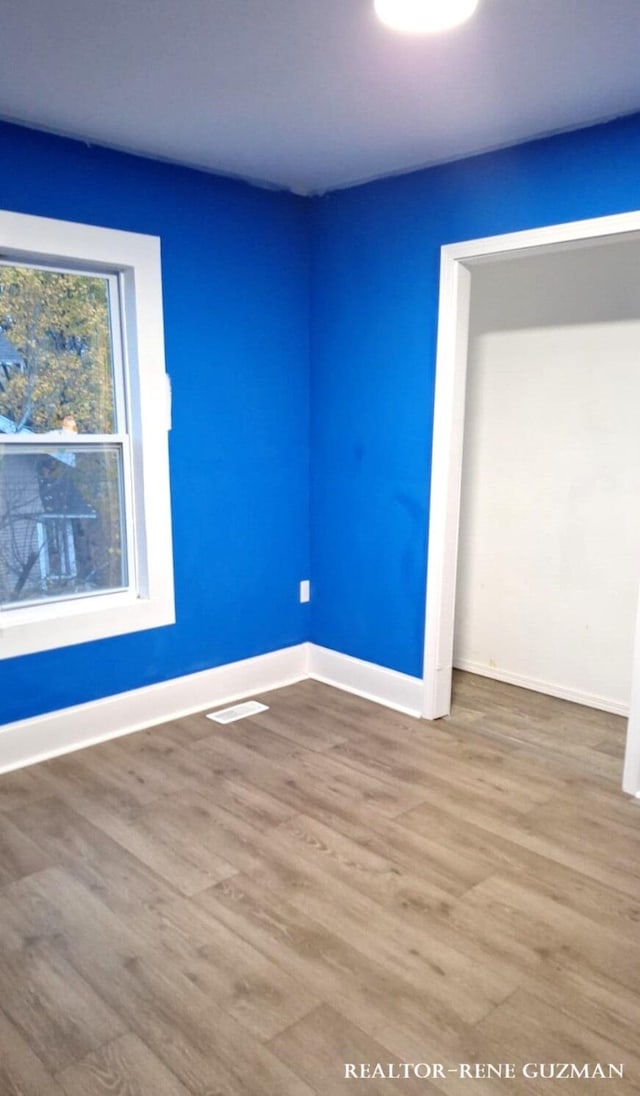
{"points": [[62, 531]]}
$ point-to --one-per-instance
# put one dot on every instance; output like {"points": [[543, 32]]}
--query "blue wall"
{"points": [[235, 274], [375, 266], [238, 319]]}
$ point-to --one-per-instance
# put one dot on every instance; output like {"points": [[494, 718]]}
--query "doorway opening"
{"points": [[497, 258]]}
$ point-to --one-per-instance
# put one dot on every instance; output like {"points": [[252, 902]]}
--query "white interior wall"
{"points": [[549, 550]]}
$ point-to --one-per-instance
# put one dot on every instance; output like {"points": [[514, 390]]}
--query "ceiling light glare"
{"points": [[424, 16]]}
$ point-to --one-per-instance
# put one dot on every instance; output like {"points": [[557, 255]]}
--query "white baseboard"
{"points": [[590, 700], [46, 736], [43, 737], [30, 740], [366, 679]]}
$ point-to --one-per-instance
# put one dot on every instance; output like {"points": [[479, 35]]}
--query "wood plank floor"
{"points": [[199, 910]]}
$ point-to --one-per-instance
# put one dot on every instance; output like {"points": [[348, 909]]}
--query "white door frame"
{"points": [[457, 262]]}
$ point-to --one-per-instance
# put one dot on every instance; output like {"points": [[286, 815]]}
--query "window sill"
{"points": [[64, 623]]}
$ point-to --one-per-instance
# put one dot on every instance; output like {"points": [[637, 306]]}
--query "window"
{"points": [[85, 545]]}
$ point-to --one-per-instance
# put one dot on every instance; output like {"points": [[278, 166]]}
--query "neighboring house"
{"points": [[43, 542]]}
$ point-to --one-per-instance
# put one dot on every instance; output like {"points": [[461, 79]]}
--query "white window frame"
{"points": [[148, 602]]}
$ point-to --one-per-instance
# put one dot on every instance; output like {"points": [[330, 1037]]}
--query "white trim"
{"points": [[551, 236], [43, 737], [149, 602], [549, 688], [448, 429], [446, 480], [399, 691]]}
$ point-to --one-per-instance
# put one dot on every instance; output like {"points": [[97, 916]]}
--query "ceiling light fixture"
{"points": [[424, 16]]}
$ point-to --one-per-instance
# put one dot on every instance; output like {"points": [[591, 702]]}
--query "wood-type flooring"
{"points": [[243, 910]]}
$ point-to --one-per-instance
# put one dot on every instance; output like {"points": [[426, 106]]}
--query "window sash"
{"points": [[115, 305], [122, 442]]}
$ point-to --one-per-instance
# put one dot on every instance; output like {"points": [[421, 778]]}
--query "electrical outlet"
{"points": [[305, 591]]}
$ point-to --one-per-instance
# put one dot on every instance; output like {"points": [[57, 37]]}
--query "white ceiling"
{"points": [[313, 94]]}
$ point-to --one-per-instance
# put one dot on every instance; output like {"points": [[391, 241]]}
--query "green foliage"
{"points": [[59, 323]]}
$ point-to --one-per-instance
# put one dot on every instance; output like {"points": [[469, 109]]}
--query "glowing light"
{"points": [[424, 16]]}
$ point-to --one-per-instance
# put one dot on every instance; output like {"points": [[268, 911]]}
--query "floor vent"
{"points": [[240, 711]]}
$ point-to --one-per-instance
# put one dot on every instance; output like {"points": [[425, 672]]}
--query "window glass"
{"points": [[62, 527], [56, 354]]}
